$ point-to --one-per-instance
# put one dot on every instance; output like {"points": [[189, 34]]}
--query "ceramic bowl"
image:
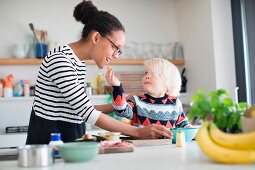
{"points": [[78, 151], [190, 133]]}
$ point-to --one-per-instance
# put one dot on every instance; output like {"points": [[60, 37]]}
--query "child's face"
{"points": [[152, 85]]}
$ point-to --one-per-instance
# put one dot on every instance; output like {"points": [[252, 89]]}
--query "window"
{"points": [[243, 14]]}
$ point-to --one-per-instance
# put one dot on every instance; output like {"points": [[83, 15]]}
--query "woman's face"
{"points": [[153, 86], [109, 47]]}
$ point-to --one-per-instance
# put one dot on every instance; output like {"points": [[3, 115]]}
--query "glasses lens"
{"points": [[119, 52]]}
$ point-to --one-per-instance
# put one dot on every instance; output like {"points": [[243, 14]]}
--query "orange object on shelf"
{"points": [[8, 86]]}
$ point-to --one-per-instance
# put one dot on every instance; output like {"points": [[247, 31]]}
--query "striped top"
{"points": [[60, 89]]}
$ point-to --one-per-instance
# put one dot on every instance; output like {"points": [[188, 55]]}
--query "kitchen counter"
{"points": [[17, 139], [165, 157]]}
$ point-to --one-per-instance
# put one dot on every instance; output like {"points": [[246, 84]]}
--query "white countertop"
{"points": [[17, 139], [166, 157]]}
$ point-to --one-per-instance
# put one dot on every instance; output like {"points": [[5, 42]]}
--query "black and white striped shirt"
{"points": [[60, 92]]}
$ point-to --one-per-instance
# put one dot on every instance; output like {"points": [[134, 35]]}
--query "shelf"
{"points": [[93, 97], [22, 98], [35, 61]]}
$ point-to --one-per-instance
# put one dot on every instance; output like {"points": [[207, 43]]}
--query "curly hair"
{"points": [[94, 19]]}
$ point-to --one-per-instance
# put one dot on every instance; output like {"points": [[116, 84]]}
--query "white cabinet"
{"points": [[16, 111]]}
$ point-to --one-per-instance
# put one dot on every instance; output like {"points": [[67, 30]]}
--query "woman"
{"points": [[60, 104]]}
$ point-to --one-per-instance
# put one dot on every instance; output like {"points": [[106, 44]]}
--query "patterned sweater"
{"points": [[145, 110]]}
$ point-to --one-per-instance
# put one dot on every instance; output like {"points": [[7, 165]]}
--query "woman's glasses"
{"points": [[117, 49]]}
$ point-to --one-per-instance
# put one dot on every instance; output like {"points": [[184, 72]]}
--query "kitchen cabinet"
{"points": [[121, 61], [16, 110]]}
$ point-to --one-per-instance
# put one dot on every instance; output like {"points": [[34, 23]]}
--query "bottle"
{"points": [[55, 141], [1, 88], [88, 89], [99, 84], [180, 138], [26, 88], [8, 91]]}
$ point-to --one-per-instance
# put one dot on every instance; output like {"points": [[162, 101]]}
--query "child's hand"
{"points": [[111, 79]]}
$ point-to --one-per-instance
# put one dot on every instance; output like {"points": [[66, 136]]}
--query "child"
{"points": [[159, 104]]}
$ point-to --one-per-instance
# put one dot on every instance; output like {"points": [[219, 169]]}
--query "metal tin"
{"points": [[35, 156]]}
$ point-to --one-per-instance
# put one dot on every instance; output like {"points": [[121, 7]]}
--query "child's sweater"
{"points": [[145, 110]]}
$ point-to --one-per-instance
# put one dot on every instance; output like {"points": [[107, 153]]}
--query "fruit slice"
{"points": [[109, 68], [180, 138]]}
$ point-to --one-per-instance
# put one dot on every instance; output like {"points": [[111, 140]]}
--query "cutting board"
{"points": [[116, 149], [148, 142]]}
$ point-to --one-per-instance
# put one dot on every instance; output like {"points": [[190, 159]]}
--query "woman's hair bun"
{"points": [[85, 11]]}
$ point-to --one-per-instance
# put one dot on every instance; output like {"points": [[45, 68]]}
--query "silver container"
{"points": [[35, 156]]}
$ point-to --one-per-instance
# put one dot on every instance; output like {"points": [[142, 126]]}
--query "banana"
{"points": [[219, 153], [233, 141]]}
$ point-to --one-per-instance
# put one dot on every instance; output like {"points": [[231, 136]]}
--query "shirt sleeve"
{"points": [[182, 120], [121, 107], [65, 76]]}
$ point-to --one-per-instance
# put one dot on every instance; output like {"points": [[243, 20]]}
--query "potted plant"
{"points": [[226, 114]]}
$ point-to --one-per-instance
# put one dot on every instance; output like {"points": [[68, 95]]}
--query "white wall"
{"points": [[144, 20], [204, 27], [223, 45], [195, 32]]}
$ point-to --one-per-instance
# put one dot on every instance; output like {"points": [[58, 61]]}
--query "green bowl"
{"points": [[78, 151], [190, 133]]}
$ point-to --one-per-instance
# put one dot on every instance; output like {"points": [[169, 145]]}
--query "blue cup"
{"points": [[41, 50]]}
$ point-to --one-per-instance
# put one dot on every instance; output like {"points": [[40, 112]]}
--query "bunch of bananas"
{"points": [[226, 148]]}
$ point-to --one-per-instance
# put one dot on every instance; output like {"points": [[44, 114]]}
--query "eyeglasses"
{"points": [[117, 49]]}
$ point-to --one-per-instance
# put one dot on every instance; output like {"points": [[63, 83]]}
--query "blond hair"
{"points": [[168, 72]]}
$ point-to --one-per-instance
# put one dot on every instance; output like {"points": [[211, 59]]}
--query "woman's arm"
{"points": [[105, 108], [152, 131]]}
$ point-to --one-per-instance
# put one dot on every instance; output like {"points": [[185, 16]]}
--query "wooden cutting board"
{"points": [[148, 142], [116, 149]]}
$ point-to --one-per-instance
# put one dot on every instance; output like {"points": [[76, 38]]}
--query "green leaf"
{"points": [[228, 102], [220, 92], [226, 113]]}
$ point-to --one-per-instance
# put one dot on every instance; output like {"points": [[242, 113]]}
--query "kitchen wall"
{"points": [[144, 20], [149, 21], [204, 27]]}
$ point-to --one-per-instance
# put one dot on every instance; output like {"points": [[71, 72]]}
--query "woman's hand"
{"points": [[111, 79], [154, 131]]}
